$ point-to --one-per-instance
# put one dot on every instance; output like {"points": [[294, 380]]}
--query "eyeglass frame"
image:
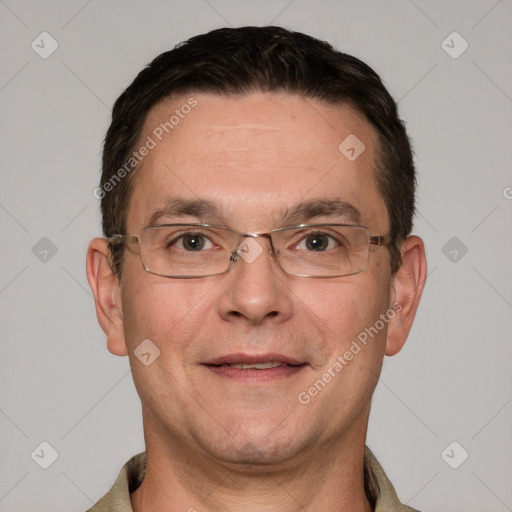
{"points": [[378, 240]]}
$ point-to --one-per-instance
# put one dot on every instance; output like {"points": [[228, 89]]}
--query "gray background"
{"points": [[452, 382]]}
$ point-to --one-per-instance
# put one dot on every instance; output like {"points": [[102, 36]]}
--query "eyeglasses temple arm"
{"points": [[380, 239], [123, 239]]}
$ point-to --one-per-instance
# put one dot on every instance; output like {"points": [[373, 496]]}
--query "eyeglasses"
{"points": [[201, 250]]}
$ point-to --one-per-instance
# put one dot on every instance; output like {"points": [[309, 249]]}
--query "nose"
{"points": [[255, 287]]}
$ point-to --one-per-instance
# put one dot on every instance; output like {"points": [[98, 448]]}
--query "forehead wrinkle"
{"points": [[247, 126]]}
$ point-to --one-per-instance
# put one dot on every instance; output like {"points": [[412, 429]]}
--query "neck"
{"points": [[180, 476]]}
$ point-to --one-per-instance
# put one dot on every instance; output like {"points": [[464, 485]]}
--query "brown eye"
{"points": [[193, 242], [317, 242]]}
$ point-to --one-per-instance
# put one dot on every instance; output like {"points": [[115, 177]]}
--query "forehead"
{"points": [[255, 156]]}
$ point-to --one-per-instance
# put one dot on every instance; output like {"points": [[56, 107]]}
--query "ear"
{"points": [[106, 289], [407, 287]]}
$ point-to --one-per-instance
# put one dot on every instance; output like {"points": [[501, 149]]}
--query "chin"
{"points": [[261, 445], [251, 455]]}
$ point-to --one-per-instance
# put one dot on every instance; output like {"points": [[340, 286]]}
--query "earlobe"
{"points": [[408, 284], [107, 295]]}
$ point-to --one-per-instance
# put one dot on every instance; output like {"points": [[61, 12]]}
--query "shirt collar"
{"points": [[379, 489]]}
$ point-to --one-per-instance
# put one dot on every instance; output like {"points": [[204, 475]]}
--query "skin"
{"points": [[218, 444]]}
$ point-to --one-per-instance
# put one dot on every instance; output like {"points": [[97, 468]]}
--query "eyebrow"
{"points": [[322, 208], [296, 214], [186, 208]]}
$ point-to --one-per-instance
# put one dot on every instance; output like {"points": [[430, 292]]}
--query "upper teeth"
{"points": [[257, 366]]}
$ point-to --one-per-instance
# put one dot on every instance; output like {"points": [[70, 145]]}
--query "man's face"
{"points": [[256, 157]]}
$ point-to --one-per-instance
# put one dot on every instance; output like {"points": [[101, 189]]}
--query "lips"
{"points": [[255, 369], [257, 366], [247, 361]]}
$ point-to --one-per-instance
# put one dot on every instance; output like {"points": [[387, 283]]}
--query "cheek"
{"points": [[157, 309], [176, 315], [344, 308]]}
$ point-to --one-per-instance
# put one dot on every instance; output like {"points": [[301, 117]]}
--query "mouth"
{"points": [[255, 368]]}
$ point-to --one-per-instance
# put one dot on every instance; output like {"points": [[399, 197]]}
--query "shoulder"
{"points": [[379, 488], [130, 477]]}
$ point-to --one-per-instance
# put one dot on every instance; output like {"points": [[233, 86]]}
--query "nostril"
{"points": [[237, 314]]}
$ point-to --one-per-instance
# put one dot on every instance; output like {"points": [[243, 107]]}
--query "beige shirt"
{"points": [[379, 489]]}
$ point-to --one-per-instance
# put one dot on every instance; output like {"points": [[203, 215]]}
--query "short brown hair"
{"points": [[233, 61]]}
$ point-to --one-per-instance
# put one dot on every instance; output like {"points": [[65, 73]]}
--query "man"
{"points": [[257, 198]]}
